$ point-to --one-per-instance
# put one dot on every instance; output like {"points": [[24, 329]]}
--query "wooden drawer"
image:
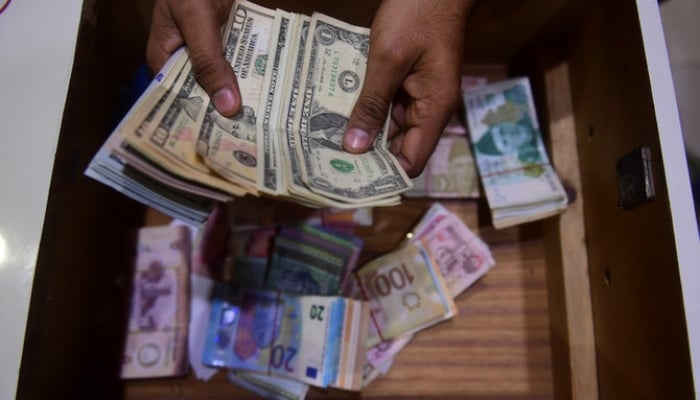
{"points": [[598, 302]]}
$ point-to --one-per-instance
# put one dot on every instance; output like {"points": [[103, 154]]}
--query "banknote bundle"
{"points": [[317, 340], [156, 343], [300, 259], [299, 78], [459, 257], [516, 174], [296, 260]]}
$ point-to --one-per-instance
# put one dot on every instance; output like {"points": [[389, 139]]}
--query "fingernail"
{"points": [[356, 139], [225, 101]]}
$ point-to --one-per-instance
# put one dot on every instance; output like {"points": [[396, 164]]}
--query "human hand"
{"points": [[196, 23], [415, 60]]}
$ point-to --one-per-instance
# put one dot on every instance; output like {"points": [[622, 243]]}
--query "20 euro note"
{"points": [[314, 339]]}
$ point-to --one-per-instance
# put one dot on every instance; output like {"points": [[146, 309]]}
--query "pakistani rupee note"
{"points": [[518, 179]]}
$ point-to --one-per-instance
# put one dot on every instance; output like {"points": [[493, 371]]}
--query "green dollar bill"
{"points": [[332, 76]]}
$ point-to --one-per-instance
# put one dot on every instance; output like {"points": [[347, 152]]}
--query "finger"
{"points": [[398, 120], [414, 149], [164, 37], [200, 25], [425, 119], [384, 75]]}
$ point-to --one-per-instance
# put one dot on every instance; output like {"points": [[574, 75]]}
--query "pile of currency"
{"points": [[281, 323], [516, 174], [413, 288], [290, 310], [316, 340], [299, 78]]}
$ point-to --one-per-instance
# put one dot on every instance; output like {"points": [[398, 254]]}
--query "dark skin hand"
{"points": [[414, 66]]}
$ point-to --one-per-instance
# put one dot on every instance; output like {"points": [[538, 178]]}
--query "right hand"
{"points": [[196, 23]]}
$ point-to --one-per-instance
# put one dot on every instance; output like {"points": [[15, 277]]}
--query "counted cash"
{"points": [[299, 78]]}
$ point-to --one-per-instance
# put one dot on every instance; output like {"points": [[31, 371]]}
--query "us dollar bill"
{"points": [[269, 174], [159, 131], [332, 77], [285, 64], [294, 186], [175, 135], [229, 145], [295, 64]]}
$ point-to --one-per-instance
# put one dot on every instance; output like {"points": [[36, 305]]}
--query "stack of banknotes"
{"points": [[414, 287], [516, 174], [156, 344], [282, 324], [299, 78], [293, 311]]}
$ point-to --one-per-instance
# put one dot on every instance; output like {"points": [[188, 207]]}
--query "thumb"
{"points": [[216, 76], [200, 28], [382, 79]]}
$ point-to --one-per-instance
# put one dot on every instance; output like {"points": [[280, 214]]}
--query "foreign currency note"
{"points": [[463, 257], [289, 136], [517, 176], [175, 134], [379, 354], [309, 260], [406, 292], [370, 373], [144, 119], [156, 343], [450, 171]]}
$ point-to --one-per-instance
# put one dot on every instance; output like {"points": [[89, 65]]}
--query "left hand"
{"points": [[415, 60]]}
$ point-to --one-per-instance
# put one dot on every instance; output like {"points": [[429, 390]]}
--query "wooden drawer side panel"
{"points": [[640, 329]]}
